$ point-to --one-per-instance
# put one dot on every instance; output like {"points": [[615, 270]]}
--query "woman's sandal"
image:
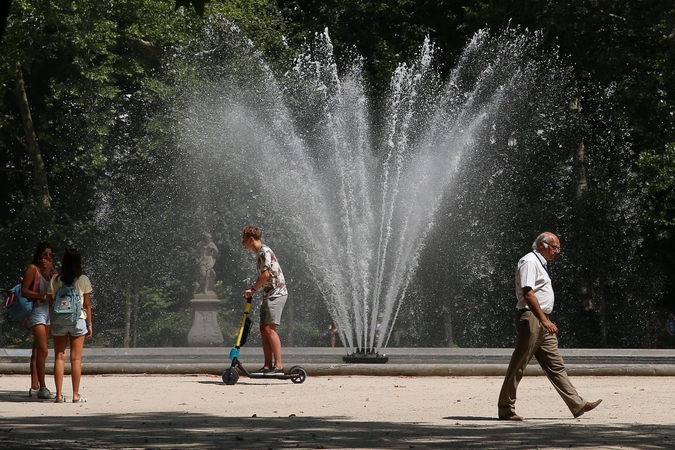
{"points": [[82, 399], [61, 399]]}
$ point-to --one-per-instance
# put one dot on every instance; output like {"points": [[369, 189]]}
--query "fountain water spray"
{"points": [[361, 200]]}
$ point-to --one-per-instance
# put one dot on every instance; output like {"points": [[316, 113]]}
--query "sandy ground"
{"points": [[149, 411]]}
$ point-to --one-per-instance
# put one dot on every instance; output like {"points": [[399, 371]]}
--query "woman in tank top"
{"points": [[35, 287]]}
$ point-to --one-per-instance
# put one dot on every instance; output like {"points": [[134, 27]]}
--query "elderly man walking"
{"points": [[537, 335]]}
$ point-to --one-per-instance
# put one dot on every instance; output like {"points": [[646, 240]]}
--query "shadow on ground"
{"points": [[173, 430]]}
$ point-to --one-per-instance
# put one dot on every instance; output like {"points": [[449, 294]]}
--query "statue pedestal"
{"points": [[205, 331]]}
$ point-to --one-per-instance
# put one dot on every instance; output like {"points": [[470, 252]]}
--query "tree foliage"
{"points": [[91, 151]]}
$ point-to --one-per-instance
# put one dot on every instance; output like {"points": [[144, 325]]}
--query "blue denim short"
{"points": [[76, 329], [39, 315]]}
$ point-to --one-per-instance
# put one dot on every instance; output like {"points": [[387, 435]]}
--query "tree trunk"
{"points": [[602, 311], [582, 169], [135, 316], [31, 144], [127, 317], [589, 302], [450, 342]]}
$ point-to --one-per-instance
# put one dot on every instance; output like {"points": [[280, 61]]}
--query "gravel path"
{"points": [[150, 411]]}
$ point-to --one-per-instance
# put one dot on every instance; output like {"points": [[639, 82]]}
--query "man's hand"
{"points": [[533, 304], [248, 293], [550, 326]]}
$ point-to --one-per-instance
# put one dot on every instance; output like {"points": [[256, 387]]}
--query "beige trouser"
{"points": [[534, 340]]}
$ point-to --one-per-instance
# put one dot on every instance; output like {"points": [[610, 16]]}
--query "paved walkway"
{"points": [[199, 411]]}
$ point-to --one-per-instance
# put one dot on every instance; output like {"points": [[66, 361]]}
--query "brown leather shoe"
{"points": [[587, 407], [512, 416]]}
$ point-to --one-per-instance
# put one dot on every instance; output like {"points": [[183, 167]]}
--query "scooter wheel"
{"points": [[297, 374], [231, 376]]}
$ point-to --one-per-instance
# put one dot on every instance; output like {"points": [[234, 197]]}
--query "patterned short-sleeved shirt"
{"points": [[276, 284]]}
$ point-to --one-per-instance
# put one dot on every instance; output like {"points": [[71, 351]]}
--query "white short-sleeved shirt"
{"points": [[532, 272], [82, 286]]}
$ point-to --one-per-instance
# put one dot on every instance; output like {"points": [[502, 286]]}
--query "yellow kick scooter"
{"points": [[296, 373]]}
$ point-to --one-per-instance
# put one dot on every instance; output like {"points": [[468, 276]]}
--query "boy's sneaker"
{"points": [[33, 393], [276, 370], [262, 370], [45, 394]]}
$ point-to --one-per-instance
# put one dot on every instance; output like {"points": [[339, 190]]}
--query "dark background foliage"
{"points": [[100, 84]]}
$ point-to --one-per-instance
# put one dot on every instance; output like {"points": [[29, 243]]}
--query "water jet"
{"points": [[367, 195], [372, 179]]}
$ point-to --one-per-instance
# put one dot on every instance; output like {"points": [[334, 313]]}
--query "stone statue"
{"points": [[205, 331], [207, 259]]}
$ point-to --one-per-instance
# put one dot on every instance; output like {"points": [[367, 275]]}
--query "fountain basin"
{"points": [[365, 356]]}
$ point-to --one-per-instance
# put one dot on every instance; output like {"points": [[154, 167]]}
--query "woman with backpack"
{"points": [[35, 286], [70, 309]]}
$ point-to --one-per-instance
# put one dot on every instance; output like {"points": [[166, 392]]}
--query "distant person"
{"points": [[35, 286], [271, 281], [332, 333], [536, 333], [653, 331], [670, 329], [75, 331], [398, 335]]}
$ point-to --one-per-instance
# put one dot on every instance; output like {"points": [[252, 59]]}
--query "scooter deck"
{"points": [[279, 375]]}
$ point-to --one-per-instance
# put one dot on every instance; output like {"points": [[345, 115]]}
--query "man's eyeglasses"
{"points": [[47, 254], [554, 247]]}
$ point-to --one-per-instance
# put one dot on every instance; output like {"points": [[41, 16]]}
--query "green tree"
{"points": [[98, 82], [626, 48]]}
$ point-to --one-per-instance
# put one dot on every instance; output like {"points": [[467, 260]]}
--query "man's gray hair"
{"points": [[542, 237]]}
